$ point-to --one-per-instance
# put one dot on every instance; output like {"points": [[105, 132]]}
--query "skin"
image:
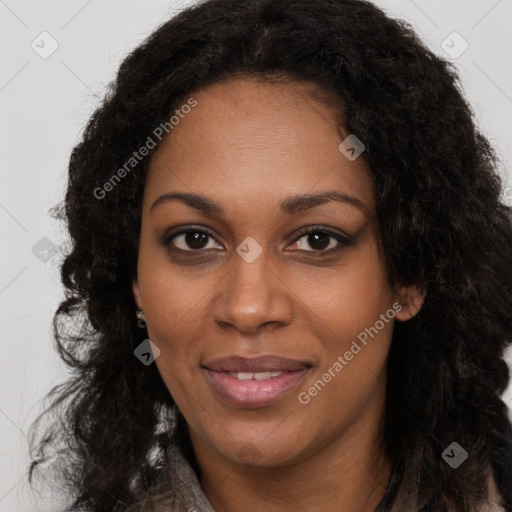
{"points": [[249, 145]]}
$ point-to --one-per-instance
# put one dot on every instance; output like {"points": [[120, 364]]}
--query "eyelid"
{"points": [[344, 240], [167, 237], [314, 228]]}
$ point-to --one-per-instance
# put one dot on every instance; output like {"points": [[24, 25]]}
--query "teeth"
{"points": [[265, 375], [255, 375]]}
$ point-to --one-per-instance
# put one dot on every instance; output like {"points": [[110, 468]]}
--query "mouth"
{"points": [[257, 382]]}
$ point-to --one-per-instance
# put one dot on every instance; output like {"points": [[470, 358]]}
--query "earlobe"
{"points": [[411, 300]]}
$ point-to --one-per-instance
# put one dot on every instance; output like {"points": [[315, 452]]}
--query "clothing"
{"points": [[187, 495]]}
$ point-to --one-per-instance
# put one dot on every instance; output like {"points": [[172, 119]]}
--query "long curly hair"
{"points": [[442, 222]]}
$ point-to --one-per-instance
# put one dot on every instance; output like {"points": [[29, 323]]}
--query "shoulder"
{"points": [[409, 498], [167, 502], [178, 489], [495, 500]]}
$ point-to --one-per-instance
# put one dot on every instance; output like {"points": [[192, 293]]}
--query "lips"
{"points": [[269, 363], [257, 382]]}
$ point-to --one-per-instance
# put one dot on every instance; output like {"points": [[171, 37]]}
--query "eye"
{"points": [[190, 240], [322, 241]]}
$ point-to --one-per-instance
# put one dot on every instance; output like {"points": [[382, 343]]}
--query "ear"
{"points": [[136, 292], [411, 300]]}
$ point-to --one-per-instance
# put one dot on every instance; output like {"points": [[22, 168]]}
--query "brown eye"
{"points": [[318, 240], [313, 240], [323, 241], [190, 240]]}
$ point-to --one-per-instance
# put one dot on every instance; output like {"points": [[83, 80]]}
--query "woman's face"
{"points": [[247, 283]]}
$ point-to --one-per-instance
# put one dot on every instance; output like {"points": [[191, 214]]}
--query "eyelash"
{"points": [[343, 240]]}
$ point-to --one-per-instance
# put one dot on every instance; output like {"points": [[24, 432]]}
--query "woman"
{"points": [[291, 273]]}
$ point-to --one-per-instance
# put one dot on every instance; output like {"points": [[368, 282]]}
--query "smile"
{"points": [[252, 383], [253, 390]]}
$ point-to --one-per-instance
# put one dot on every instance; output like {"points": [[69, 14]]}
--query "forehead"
{"points": [[247, 141]]}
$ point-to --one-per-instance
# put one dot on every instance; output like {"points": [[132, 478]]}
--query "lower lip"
{"points": [[252, 393]]}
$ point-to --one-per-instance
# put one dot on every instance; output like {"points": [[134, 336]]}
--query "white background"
{"points": [[45, 104]]}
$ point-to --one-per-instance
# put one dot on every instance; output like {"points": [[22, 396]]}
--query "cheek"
{"points": [[348, 305], [354, 306], [174, 303], [175, 315], [349, 298]]}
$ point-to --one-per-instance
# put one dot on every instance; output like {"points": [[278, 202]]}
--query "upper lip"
{"points": [[269, 363]]}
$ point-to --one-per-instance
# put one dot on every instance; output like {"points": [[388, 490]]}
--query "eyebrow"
{"points": [[289, 206]]}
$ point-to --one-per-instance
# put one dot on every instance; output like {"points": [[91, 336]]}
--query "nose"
{"points": [[252, 295]]}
